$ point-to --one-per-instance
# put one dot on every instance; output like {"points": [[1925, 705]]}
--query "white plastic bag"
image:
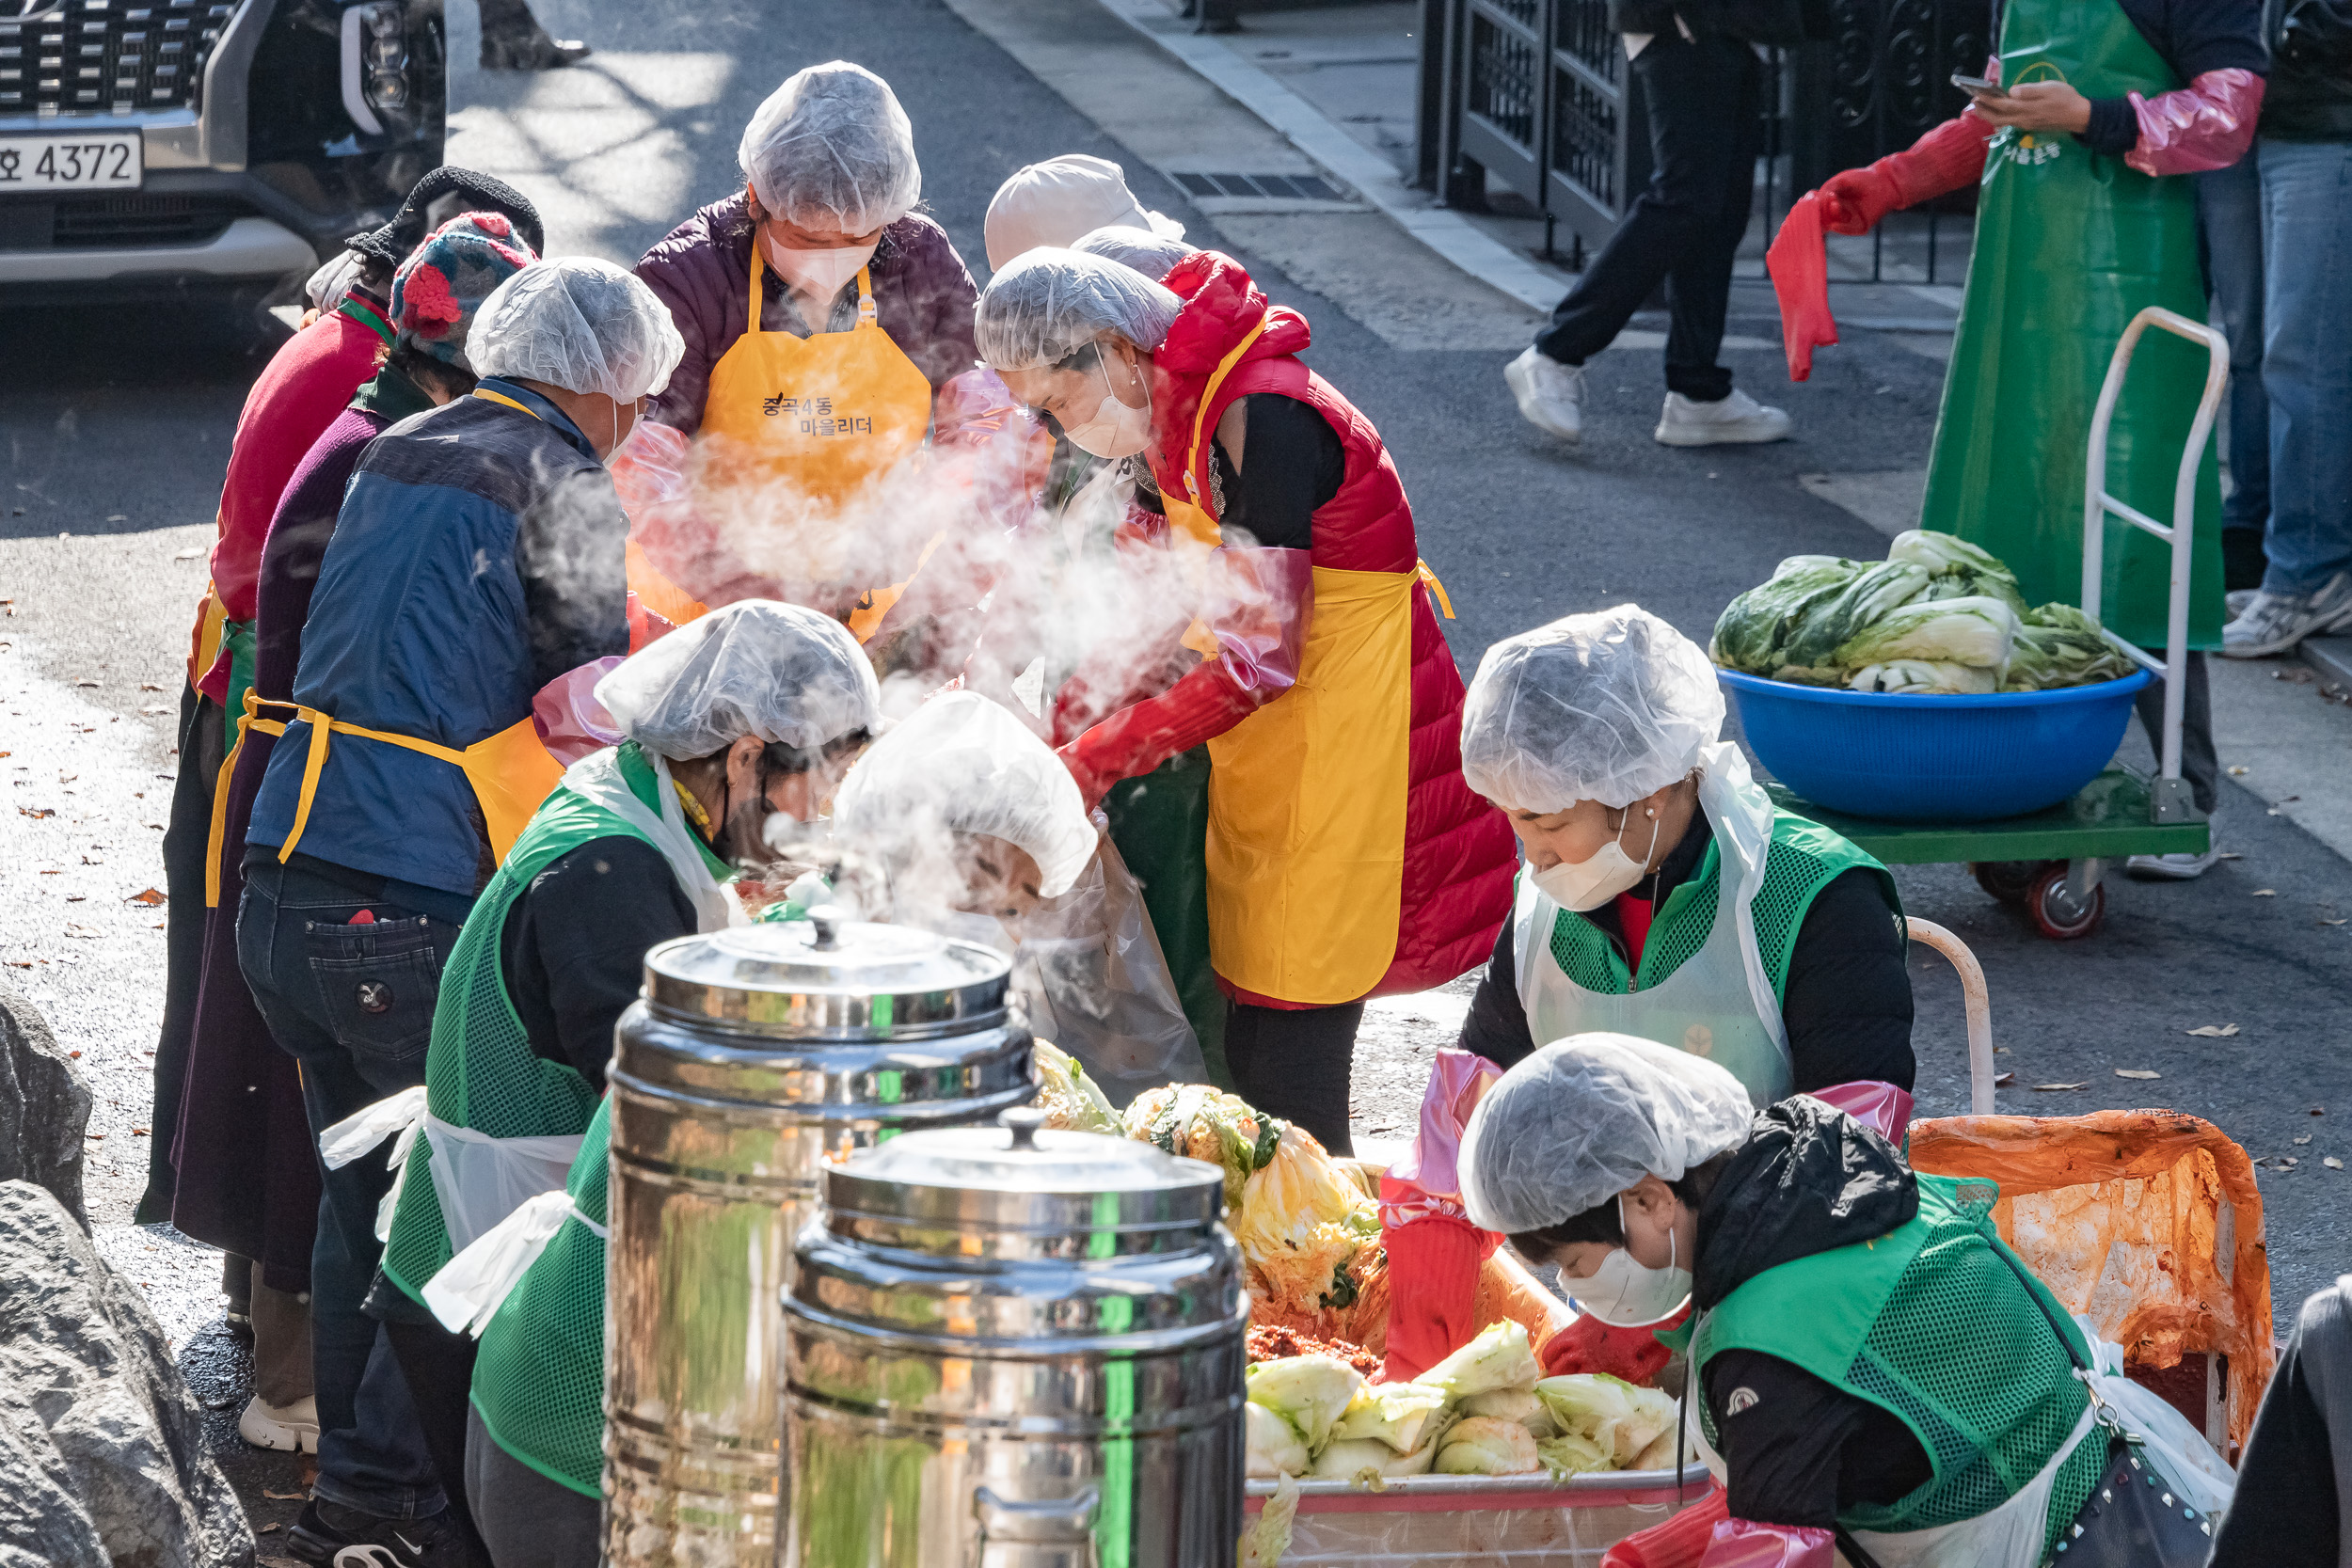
{"points": [[472, 1286], [2181, 1453], [1091, 970], [366, 1128], [481, 1180]]}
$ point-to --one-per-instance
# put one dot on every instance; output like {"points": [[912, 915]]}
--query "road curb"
{"points": [[1453, 237]]}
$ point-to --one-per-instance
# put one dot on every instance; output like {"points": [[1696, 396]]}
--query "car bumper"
{"points": [[249, 248]]}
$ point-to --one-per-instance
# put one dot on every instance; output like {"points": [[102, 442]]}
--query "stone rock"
{"points": [[44, 1107], [101, 1443]]}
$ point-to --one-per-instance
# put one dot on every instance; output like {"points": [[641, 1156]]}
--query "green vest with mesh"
{"points": [[1804, 859], [538, 1381], [480, 1071], [1929, 1323]]}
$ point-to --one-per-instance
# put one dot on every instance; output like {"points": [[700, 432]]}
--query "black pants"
{"points": [[186, 844], [438, 1366], [1294, 1065], [2200, 766], [1705, 100]]}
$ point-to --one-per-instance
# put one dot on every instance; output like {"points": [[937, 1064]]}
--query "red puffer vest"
{"points": [[1460, 855]]}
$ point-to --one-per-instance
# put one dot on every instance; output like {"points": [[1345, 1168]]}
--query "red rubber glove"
{"points": [[1589, 1345], [1800, 270], [1680, 1543], [1745, 1543], [1946, 159], [1433, 1291], [1139, 737]]}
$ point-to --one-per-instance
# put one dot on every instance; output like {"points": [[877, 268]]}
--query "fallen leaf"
{"points": [[149, 895], [2325, 920], [149, 686], [2053, 1089], [85, 683], [20, 963], [2289, 1160], [2304, 1139], [35, 813], [153, 711], [139, 1131], [285, 1496], [2135, 1073], [2266, 892], [88, 933], [77, 897], [265, 1530], [2214, 1031], [2000, 1051], [2001, 1080], [187, 555], [2319, 1110], [2332, 1162], [2229, 855], [2237, 772], [95, 1137]]}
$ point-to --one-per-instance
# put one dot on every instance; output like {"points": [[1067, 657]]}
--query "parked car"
{"points": [[163, 146]]}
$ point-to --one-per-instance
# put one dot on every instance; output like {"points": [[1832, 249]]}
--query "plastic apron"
{"points": [[1718, 1003], [2069, 245], [825, 414], [1306, 843]]}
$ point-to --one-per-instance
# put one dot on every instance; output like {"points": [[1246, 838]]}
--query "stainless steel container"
{"points": [[754, 1057], [1014, 1349]]}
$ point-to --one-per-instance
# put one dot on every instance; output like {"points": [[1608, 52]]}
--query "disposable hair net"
{"points": [[1608, 706], [831, 149], [1586, 1118], [1053, 202], [1148, 253], [580, 323], [960, 764], [1049, 304], [784, 672]]}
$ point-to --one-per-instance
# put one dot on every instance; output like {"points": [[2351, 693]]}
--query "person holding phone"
{"points": [[2079, 132]]}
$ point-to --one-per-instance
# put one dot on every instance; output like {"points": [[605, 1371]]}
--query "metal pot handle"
{"points": [[1028, 1524]]}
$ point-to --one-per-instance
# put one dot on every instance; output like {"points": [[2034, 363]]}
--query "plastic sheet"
{"points": [[2148, 1224], [1441, 1521], [1745, 1543], [1881, 1107], [570, 721], [1090, 969], [1262, 600]]}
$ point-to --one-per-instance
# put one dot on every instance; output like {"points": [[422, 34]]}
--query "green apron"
{"points": [[1160, 823], [2071, 245]]}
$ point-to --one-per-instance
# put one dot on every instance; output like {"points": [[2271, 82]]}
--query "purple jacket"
{"points": [[702, 272]]}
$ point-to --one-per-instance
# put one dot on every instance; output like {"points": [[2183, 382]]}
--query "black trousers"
{"points": [[186, 844], [1705, 100], [1294, 1065], [438, 1366]]}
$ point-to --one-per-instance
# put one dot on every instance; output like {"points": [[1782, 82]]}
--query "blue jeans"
{"points": [[2307, 360], [353, 1006], [2230, 222]]}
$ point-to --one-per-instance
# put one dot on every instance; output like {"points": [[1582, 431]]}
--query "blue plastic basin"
{"points": [[1909, 758]]}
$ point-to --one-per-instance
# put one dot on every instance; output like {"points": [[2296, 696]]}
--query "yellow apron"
{"points": [[1306, 852], [826, 413], [657, 594]]}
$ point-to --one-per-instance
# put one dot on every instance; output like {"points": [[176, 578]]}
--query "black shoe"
{"points": [[333, 1536], [531, 51]]}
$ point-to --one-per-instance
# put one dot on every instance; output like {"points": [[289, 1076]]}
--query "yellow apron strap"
{"points": [[876, 603], [1201, 414], [249, 719], [320, 726], [1435, 588], [758, 266], [488, 396], [867, 313]]}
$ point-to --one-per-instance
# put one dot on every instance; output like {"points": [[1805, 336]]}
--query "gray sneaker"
{"points": [[2273, 624]]}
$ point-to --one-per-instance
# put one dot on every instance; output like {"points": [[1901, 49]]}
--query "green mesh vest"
{"points": [[1804, 859], [1929, 1323], [538, 1381], [480, 1071]]}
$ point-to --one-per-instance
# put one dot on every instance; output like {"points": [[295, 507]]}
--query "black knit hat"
{"points": [[392, 242]]}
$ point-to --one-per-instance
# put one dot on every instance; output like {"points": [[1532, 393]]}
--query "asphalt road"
{"points": [[113, 427]]}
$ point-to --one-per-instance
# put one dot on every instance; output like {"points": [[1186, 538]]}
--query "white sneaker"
{"points": [[286, 1428], [2236, 599], [2273, 624], [2180, 866], [1737, 418], [1550, 395]]}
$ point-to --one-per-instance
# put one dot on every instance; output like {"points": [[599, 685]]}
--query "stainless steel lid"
{"points": [[1018, 1191], [829, 980]]}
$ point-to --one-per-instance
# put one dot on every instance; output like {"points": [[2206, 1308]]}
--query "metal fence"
{"points": [[1534, 96]]}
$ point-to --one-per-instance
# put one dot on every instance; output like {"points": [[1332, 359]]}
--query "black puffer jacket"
{"points": [[1799, 1450]]}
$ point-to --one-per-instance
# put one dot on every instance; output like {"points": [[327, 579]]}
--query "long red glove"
{"points": [[1946, 159], [1433, 1291], [1800, 269], [2206, 124], [1139, 737], [1589, 1345], [1680, 1543]]}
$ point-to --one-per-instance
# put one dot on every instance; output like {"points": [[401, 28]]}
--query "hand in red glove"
{"points": [[1945, 160], [1589, 1345], [1800, 270]]}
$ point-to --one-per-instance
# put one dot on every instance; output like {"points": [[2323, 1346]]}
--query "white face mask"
{"points": [[1113, 430], [1587, 884], [1629, 1294], [821, 273]]}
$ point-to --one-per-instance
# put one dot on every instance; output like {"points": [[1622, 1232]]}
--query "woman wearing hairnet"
{"points": [[984, 838], [1346, 857], [749, 715], [1664, 894], [1054, 201], [1871, 1362], [824, 320]]}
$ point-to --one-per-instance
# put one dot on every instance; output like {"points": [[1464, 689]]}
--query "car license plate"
{"points": [[100, 161]]}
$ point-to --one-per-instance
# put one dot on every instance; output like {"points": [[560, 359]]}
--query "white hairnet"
{"points": [[1586, 1118], [1149, 253], [1049, 304], [781, 671], [1051, 203], [1608, 706], [580, 323], [960, 764], [831, 149]]}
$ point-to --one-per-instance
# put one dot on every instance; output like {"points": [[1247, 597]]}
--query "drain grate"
{"points": [[1275, 187]]}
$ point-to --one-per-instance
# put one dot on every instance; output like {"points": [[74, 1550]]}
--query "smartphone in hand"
{"points": [[1978, 86]]}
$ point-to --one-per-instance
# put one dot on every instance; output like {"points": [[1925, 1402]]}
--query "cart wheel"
{"points": [[2009, 880], [2057, 913]]}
